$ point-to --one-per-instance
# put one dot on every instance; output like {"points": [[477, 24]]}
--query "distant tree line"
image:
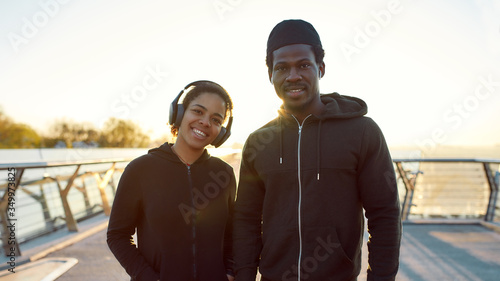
{"points": [[17, 135], [66, 133]]}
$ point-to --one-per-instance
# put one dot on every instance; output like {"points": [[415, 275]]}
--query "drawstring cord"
{"points": [[281, 140], [318, 154]]}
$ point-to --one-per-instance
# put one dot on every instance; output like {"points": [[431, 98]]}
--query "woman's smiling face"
{"points": [[202, 120]]}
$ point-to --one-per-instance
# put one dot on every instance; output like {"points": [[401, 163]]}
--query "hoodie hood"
{"points": [[344, 107], [165, 151]]}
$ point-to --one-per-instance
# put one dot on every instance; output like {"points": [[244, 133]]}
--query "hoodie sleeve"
{"points": [[379, 194], [122, 224], [228, 235], [247, 239]]}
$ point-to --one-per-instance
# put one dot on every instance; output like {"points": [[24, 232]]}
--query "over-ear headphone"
{"points": [[177, 112]]}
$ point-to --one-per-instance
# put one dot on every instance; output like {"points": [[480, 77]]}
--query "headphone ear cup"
{"points": [[224, 134], [175, 117], [221, 137], [172, 113], [178, 116]]}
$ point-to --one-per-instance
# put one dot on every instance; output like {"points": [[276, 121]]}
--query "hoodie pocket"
{"points": [[323, 257], [176, 265], [279, 252]]}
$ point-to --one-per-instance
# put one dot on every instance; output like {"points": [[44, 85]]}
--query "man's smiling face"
{"points": [[295, 76]]}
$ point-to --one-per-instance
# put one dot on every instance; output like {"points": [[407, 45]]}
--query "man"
{"points": [[307, 176]]}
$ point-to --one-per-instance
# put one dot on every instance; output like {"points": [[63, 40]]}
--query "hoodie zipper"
{"points": [[300, 194], [193, 227]]}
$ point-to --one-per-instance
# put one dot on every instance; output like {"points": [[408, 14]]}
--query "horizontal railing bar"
{"points": [[46, 179], [34, 165], [449, 160]]}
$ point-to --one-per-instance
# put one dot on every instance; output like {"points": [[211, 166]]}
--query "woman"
{"points": [[179, 198]]}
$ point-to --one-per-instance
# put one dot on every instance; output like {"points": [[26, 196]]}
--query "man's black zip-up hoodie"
{"points": [[182, 215], [302, 190]]}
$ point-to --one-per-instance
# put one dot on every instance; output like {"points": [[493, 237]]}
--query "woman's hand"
{"points": [[229, 277]]}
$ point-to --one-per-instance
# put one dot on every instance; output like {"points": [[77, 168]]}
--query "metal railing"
{"points": [[45, 196], [449, 188], [54, 195]]}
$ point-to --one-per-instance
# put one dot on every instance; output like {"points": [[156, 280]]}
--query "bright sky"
{"points": [[428, 70]]}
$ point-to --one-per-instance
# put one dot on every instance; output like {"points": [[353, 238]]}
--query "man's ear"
{"points": [[321, 70], [270, 73]]}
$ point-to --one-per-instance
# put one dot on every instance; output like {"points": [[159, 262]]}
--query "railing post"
{"points": [[70, 220], [101, 184], [45, 206], [492, 200], [83, 190], [13, 246], [42, 200], [409, 187]]}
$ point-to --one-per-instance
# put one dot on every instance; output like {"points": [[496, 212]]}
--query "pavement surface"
{"points": [[429, 251], [449, 252]]}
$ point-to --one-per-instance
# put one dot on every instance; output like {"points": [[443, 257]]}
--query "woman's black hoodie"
{"points": [[182, 216]]}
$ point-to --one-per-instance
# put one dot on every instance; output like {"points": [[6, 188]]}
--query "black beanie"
{"points": [[290, 32]]}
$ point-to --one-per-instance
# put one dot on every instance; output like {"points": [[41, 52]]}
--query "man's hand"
{"points": [[229, 277]]}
